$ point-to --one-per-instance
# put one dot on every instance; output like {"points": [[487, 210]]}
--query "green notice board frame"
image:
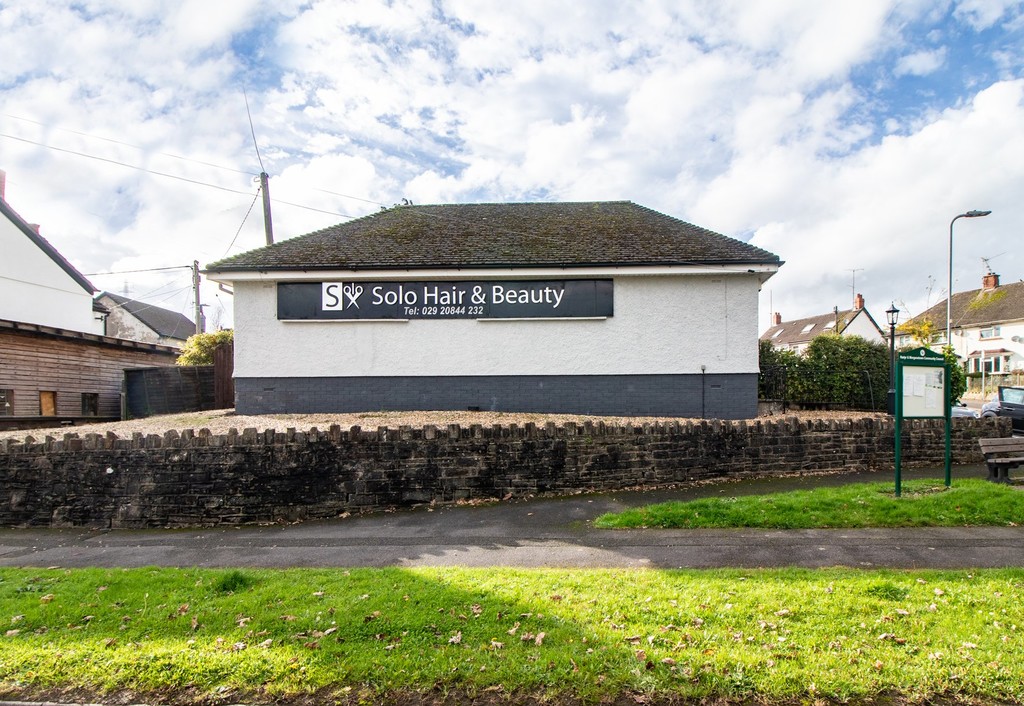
{"points": [[922, 392]]}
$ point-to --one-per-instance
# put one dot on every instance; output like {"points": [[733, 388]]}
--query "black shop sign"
{"points": [[526, 299]]}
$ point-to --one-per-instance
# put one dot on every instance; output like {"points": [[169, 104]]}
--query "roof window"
{"points": [[807, 328]]}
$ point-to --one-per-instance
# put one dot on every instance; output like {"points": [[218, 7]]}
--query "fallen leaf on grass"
{"points": [[12, 633], [455, 639], [47, 598]]}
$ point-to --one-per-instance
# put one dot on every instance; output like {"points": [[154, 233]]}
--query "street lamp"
{"points": [[949, 284], [892, 315]]}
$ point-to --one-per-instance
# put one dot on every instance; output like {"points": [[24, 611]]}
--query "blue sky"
{"points": [[843, 136]]}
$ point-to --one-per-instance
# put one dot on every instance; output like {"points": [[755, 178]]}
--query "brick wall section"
{"points": [[198, 479]]}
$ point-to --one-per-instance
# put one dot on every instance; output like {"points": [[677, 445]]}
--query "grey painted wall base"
{"points": [[699, 396]]}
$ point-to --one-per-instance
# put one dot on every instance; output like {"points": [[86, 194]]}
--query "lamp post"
{"points": [[949, 283], [892, 315]]}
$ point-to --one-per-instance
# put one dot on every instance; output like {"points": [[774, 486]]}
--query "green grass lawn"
{"points": [[357, 635], [921, 504]]}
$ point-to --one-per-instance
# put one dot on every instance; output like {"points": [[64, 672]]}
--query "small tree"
{"points": [[923, 331], [957, 376], [198, 349]]}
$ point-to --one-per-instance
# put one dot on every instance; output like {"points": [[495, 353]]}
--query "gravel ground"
{"points": [[220, 421]]}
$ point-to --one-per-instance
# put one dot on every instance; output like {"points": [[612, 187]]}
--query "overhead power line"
{"points": [[171, 176], [131, 272]]}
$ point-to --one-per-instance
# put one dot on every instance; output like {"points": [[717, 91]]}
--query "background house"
{"points": [[987, 329], [37, 284], [55, 362], [139, 321], [797, 335]]}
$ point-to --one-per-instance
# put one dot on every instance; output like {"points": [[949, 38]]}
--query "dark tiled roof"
{"points": [[979, 307], [502, 235], [790, 333], [44, 245], [166, 323]]}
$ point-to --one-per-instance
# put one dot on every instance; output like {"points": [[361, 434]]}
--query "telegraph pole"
{"points": [[268, 225], [200, 324]]}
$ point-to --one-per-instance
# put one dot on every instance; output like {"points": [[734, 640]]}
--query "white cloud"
{"points": [[743, 117], [982, 14], [920, 63]]}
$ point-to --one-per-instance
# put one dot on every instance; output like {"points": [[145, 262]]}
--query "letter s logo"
{"points": [[330, 300]]}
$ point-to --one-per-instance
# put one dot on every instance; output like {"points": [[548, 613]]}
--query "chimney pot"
{"points": [[858, 301], [776, 318]]}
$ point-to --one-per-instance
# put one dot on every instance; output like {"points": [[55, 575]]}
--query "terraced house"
{"points": [[604, 308], [987, 328]]}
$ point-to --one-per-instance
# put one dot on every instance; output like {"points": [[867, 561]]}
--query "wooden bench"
{"points": [[1001, 455]]}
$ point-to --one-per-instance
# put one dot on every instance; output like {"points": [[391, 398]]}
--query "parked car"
{"points": [[1008, 403], [962, 410]]}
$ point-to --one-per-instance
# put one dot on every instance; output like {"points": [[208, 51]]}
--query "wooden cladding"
{"points": [[53, 375]]}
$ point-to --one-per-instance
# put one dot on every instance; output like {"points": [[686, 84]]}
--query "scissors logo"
{"points": [[352, 293]]}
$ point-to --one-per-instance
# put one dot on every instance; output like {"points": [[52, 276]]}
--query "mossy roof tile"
{"points": [[515, 235]]}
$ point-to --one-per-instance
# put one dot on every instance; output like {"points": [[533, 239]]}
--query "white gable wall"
{"points": [[862, 326], [34, 289]]}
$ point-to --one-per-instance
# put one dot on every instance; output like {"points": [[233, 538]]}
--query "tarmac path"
{"points": [[540, 532]]}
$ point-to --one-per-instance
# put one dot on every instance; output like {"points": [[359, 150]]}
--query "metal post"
{"points": [[892, 368], [949, 261], [898, 444], [949, 425]]}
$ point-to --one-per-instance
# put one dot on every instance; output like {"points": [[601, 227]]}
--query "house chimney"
{"points": [[858, 302], [990, 281], [776, 319]]}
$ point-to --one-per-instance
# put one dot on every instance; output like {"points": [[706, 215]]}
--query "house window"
{"points": [[47, 403], [776, 334], [989, 365], [6, 403], [990, 332], [90, 404], [807, 328]]}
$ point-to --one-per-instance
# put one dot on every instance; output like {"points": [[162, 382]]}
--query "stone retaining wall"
{"points": [[199, 479]]}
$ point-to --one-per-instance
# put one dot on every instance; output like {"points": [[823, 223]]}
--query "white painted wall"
{"points": [[34, 289], [668, 324], [862, 326]]}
